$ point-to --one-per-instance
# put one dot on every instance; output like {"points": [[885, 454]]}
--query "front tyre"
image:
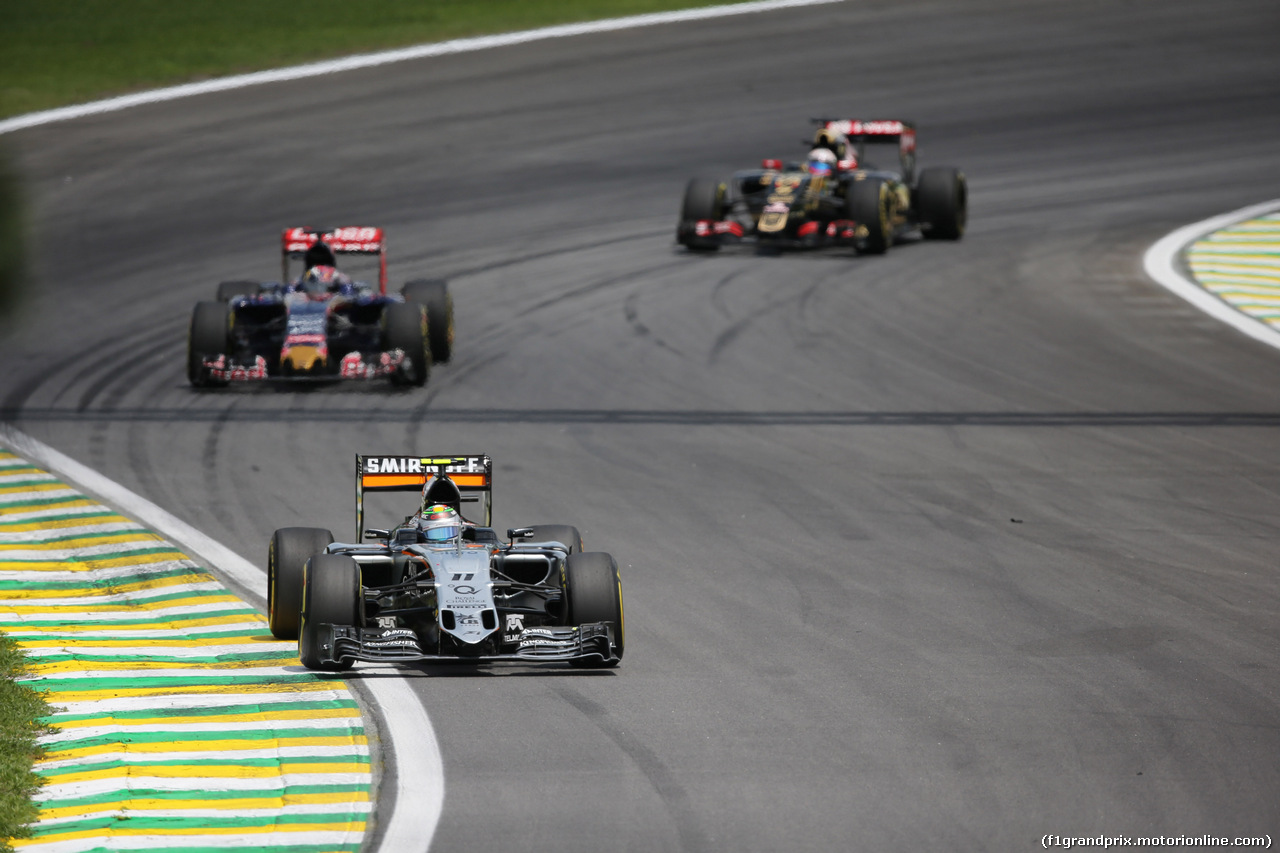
{"points": [[331, 595], [942, 203], [703, 200], [209, 336], [404, 327], [289, 551], [593, 591], [867, 203], [433, 293]]}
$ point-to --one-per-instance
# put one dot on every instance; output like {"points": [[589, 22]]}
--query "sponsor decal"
{"points": [[866, 128], [548, 632], [391, 644], [352, 239], [515, 626], [463, 576], [463, 589], [415, 464], [219, 369], [537, 642], [385, 621]]}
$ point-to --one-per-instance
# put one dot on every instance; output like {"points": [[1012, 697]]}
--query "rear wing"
{"points": [[473, 475], [351, 240], [862, 131]]}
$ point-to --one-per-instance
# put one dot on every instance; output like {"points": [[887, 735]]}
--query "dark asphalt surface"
{"points": [[946, 549]]}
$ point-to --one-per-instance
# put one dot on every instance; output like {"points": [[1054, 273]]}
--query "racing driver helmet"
{"points": [[822, 161], [322, 279], [440, 523]]}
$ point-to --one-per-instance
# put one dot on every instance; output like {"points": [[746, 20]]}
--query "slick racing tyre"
{"points": [[942, 203], [867, 204], [289, 551], [229, 290], [563, 533], [703, 199], [404, 327], [331, 595], [433, 293], [594, 594], [208, 337]]}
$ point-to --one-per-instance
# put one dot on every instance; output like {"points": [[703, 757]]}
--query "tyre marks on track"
{"points": [[180, 723]]}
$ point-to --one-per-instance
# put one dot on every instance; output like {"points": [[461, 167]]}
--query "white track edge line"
{"points": [[1161, 263], [370, 60], [419, 765]]}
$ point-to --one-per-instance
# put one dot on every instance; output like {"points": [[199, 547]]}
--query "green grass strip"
{"points": [[21, 710], [59, 52]]}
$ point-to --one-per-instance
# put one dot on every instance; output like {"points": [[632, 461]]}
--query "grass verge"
{"points": [[20, 711], [60, 52]]}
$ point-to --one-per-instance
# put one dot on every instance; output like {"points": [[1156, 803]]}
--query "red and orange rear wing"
{"points": [[472, 474], [879, 130], [350, 240]]}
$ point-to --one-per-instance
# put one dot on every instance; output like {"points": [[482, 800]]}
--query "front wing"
{"points": [[382, 645], [811, 234]]}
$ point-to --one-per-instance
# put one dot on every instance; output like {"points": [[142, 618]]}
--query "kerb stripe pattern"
{"points": [[1241, 266], [180, 723]]}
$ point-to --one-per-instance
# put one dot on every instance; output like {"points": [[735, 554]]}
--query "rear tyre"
{"points": [[404, 327], [594, 594], [434, 294], [289, 551], [229, 290], [331, 595], [867, 204], [703, 199], [209, 336], [564, 533], [942, 203]]}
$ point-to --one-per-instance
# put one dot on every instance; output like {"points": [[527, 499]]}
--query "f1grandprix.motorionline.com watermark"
{"points": [[1069, 841]]}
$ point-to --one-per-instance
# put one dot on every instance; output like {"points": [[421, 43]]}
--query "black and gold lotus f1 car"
{"points": [[837, 197]]}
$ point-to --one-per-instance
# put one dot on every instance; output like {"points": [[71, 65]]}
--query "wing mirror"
{"points": [[514, 533], [377, 533], [771, 163]]}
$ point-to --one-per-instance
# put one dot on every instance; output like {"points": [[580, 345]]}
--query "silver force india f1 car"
{"points": [[835, 198], [439, 587], [323, 324]]}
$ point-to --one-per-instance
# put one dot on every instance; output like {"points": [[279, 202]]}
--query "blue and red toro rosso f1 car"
{"points": [[322, 324]]}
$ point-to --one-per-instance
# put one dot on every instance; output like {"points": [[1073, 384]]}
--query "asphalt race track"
{"points": [[946, 549]]}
